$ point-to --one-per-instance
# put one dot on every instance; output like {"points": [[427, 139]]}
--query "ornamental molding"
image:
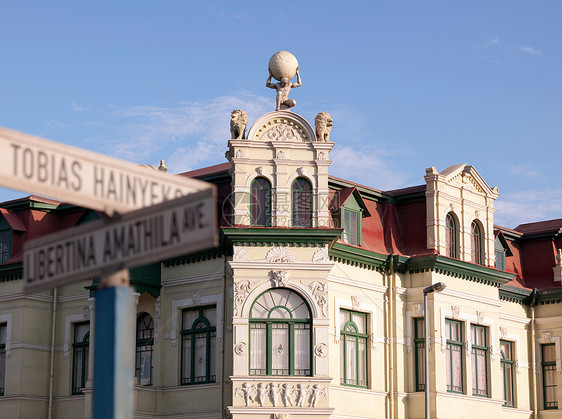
{"points": [[157, 314], [320, 292], [281, 155], [241, 291], [240, 348], [280, 254], [240, 255], [274, 394], [280, 278], [418, 309], [503, 332], [480, 316], [547, 336], [455, 310], [321, 256], [321, 350], [355, 302], [196, 297]]}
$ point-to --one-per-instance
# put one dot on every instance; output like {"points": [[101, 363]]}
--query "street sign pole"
{"points": [[113, 348]]}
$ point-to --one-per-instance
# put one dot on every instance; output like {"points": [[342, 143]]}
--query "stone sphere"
{"points": [[283, 64]]}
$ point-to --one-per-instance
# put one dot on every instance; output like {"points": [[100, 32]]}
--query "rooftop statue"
{"points": [[283, 66]]}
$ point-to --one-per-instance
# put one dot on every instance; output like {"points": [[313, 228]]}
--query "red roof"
{"points": [[540, 227], [206, 171]]}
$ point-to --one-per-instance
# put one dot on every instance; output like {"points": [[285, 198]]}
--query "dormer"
{"points": [[460, 214], [280, 173]]}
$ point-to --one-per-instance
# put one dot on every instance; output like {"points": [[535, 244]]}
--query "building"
{"points": [[312, 305]]}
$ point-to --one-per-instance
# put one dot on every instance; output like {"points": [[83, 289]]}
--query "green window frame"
{"points": [[301, 199], [260, 202], [351, 223], [419, 355], [80, 349], [451, 236], [3, 331], [353, 349], [476, 243], [280, 334], [454, 356], [479, 335], [506, 362], [144, 350], [6, 238], [198, 347], [549, 378]]}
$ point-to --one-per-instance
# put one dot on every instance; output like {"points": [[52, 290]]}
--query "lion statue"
{"points": [[238, 122], [323, 123]]}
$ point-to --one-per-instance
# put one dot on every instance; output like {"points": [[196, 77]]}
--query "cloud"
{"points": [[78, 108], [493, 41], [151, 132], [530, 50], [367, 166], [524, 171], [528, 206]]}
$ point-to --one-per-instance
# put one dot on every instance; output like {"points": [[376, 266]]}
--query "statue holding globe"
{"points": [[283, 66]]}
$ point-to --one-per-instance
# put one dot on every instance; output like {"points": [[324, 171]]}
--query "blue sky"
{"points": [[468, 82]]}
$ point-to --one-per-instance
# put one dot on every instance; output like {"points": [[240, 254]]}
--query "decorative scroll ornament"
{"points": [[280, 254], [241, 291], [480, 316], [355, 302], [456, 311], [280, 278], [503, 332], [320, 292], [321, 350], [136, 296], [284, 132], [321, 256], [240, 255], [240, 348], [196, 297], [418, 309]]}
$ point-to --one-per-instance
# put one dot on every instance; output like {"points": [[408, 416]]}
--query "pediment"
{"points": [[465, 176], [281, 126]]}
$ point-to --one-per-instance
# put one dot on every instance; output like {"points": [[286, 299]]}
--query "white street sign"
{"points": [[170, 229], [84, 178]]}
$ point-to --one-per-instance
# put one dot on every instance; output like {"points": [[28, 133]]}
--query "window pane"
{"points": [[508, 392], [359, 320], [280, 313], [302, 347], [186, 354], [344, 318], [506, 349], [457, 372], [302, 203], [260, 202], [549, 353], [258, 349], [362, 361], [189, 317], [351, 360], [200, 364], [280, 349]]}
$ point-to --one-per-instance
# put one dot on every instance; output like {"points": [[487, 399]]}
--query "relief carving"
{"points": [[321, 350], [323, 123], [456, 311], [503, 332], [280, 254], [241, 291], [320, 292], [240, 255], [196, 297], [418, 309], [260, 392], [284, 132], [280, 278], [240, 348], [321, 256], [238, 122], [355, 302]]}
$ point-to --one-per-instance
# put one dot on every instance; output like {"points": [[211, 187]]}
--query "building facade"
{"points": [[311, 306]]}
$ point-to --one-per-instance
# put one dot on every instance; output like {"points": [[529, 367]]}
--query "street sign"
{"points": [[84, 178], [170, 229]]}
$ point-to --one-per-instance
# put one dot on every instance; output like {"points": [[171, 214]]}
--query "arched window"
{"points": [[302, 203], [353, 348], [80, 349], [260, 203], [476, 243], [145, 344], [198, 337], [451, 235], [280, 334]]}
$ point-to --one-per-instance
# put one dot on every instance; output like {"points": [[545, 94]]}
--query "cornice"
{"points": [[458, 269], [11, 272], [272, 236], [356, 256], [515, 294]]}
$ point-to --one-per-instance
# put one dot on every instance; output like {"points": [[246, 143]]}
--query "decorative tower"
{"points": [[281, 154]]}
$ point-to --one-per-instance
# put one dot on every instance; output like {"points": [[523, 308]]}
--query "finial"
{"points": [[283, 66], [162, 167]]}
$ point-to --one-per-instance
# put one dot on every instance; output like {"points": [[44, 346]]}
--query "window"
{"points": [[353, 348], [3, 330], [198, 345], [5, 245], [454, 354], [302, 203], [476, 243], [419, 343], [549, 376], [479, 361], [145, 342], [80, 348], [261, 202], [280, 334], [451, 236], [500, 259], [507, 372], [352, 227]]}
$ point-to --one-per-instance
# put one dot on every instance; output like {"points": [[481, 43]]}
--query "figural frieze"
{"points": [[291, 395], [281, 129]]}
